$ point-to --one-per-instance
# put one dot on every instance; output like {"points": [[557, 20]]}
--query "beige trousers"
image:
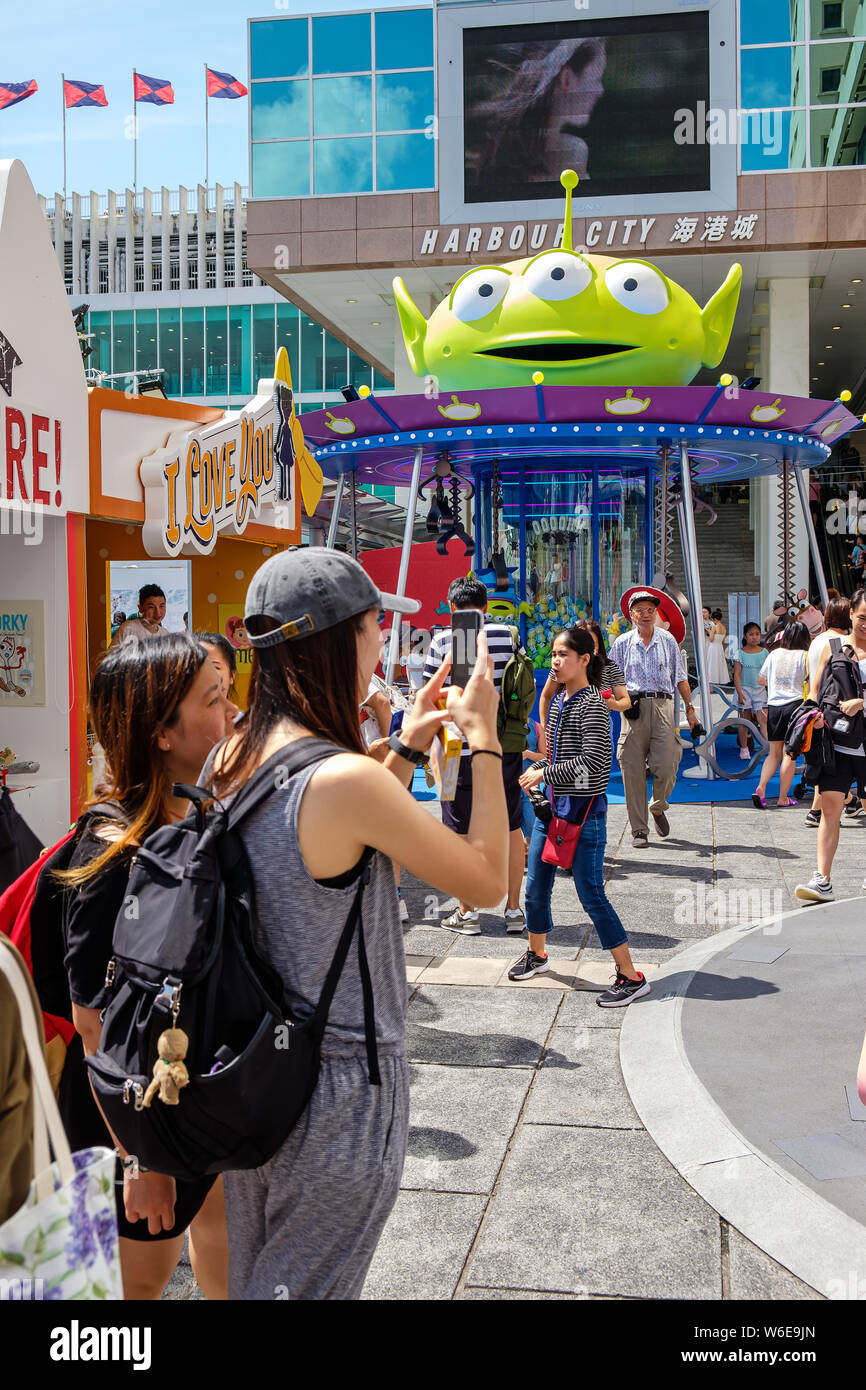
{"points": [[648, 741]]}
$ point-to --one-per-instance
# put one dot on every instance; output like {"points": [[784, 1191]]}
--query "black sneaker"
{"points": [[813, 818], [528, 965], [623, 991], [852, 810]]}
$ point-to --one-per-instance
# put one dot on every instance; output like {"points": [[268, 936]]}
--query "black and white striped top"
{"points": [[500, 645], [580, 726]]}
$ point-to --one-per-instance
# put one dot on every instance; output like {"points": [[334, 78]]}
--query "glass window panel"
{"points": [[192, 335], [264, 348], [239, 350], [169, 350], [342, 105], [124, 345], [381, 382], [772, 77], [836, 73], [336, 372], [621, 541], [278, 48], [281, 110], [769, 21], [312, 352], [831, 18], [772, 140], [288, 336], [360, 372], [145, 340], [100, 327], [404, 101], [837, 136], [343, 166], [404, 161], [217, 352], [404, 38], [341, 43], [281, 170]]}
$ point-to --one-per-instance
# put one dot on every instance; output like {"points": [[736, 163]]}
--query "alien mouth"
{"points": [[556, 352]]}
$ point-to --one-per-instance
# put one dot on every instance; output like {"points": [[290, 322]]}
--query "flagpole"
{"points": [[134, 138], [63, 105], [205, 135]]}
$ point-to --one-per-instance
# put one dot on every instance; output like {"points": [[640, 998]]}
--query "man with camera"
{"points": [[654, 666]]}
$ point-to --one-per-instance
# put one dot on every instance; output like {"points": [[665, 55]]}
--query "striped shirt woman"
{"points": [[578, 765]]}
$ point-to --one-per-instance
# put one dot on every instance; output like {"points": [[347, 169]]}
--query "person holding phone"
{"points": [[467, 600]]}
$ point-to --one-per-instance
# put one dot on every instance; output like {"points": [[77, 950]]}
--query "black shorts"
{"points": [[849, 769], [778, 719], [456, 814]]}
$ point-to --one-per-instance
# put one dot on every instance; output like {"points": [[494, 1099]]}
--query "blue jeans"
{"points": [[588, 874]]}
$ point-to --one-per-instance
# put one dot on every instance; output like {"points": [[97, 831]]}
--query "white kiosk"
{"points": [[44, 479]]}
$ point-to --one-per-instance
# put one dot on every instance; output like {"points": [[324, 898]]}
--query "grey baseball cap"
{"points": [[308, 590]]}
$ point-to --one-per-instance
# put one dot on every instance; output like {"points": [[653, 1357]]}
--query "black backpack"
{"points": [[183, 956], [840, 680]]}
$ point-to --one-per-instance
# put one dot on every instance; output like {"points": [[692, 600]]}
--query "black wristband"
{"points": [[412, 755], [492, 752]]}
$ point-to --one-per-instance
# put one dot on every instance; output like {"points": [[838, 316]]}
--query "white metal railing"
{"points": [[85, 201]]}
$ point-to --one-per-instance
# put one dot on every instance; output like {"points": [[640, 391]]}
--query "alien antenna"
{"points": [[569, 180]]}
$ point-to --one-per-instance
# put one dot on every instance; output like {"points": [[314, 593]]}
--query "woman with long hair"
{"points": [[846, 724], [577, 770], [784, 674], [157, 710], [305, 1225]]}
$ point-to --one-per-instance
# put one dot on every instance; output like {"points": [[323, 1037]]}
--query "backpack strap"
{"points": [[335, 970]]}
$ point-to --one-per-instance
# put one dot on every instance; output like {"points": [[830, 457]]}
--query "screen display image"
{"points": [[599, 97], [127, 577]]}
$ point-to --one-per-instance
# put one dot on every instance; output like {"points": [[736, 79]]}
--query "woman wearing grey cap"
{"points": [[306, 1224]]}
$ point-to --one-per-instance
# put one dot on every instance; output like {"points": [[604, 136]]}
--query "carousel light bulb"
{"points": [[726, 379], [364, 391], [845, 395], [538, 378]]}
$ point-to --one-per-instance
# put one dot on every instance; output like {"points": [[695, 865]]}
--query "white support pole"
{"points": [[335, 514], [803, 494], [685, 508], [402, 577]]}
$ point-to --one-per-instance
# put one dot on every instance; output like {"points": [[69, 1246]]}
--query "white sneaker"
{"points": [[466, 923], [515, 921], [818, 890], [744, 755], [404, 911]]}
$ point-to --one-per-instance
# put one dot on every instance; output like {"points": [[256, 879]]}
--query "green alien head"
{"points": [[582, 320]]}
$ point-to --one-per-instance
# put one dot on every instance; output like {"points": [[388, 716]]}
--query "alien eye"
{"points": [[478, 294], [637, 287], [557, 277]]}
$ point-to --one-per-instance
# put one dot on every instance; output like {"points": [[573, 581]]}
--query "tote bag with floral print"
{"points": [[62, 1243]]}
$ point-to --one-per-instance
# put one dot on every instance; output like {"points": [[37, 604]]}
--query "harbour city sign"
{"points": [[527, 237]]}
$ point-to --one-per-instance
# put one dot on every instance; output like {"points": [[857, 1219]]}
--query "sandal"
{"points": [[759, 801], [789, 801]]}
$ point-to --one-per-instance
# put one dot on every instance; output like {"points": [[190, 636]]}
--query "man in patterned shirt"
{"points": [[653, 665]]}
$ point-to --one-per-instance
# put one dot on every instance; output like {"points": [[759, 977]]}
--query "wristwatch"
{"points": [[690, 705], [412, 755]]}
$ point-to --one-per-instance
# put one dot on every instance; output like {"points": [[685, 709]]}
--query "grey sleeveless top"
{"points": [[298, 922]]}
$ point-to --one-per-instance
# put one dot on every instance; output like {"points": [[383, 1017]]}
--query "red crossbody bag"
{"points": [[560, 846]]}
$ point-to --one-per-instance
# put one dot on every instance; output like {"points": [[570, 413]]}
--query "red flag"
{"points": [[157, 90], [222, 84], [84, 93]]}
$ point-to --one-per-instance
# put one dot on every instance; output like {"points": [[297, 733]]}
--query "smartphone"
{"points": [[465, 627]]}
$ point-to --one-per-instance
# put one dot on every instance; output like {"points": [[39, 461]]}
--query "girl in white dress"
{"points": [[717, 666]]}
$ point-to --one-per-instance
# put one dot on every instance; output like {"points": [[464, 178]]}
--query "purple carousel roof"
{"points": [[731, 433]]}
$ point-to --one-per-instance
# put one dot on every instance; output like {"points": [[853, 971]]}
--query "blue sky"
{"points": [[170, 39]]}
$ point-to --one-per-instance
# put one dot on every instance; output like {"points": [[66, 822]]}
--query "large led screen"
{"points": [[598, 96]]}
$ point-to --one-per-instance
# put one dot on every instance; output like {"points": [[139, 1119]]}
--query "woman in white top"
{"points": [[717, 666], [783, 673]]}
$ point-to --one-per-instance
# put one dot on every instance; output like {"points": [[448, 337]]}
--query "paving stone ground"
{"points": [[529, 1174]]}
